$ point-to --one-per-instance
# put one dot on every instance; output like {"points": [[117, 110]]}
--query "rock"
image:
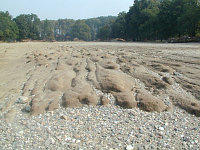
{"points": [[64, 117], [104, 100], [72, 146], [129, 147], [49, 141], [150, 103], [161, 128], [22, 100], [125, 100], [27, 108]]}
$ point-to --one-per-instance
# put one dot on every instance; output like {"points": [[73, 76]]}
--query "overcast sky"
{"points": [[71, 9]]}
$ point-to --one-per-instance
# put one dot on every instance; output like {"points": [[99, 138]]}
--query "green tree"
{"points": [[148, 24], [178, 18], [119, 26], [34, 27], [141, 20], [47, 30], [104, 33], [29, 26], [189, 20], [8, 28], [132, 21], [96, 24], [165, 20], [63, 29], [22, 26], [81, 31]]}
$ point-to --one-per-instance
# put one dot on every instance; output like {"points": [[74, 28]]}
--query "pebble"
{"points": [[129, 147], [64, 117], [161, 128], [27, 108], [90, 128]]}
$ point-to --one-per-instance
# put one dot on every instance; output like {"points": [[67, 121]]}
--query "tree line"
{"points": [[29, 26], [145, 20], [155, 20]]}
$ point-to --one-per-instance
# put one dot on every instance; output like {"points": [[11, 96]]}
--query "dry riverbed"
{"points": [[88, 95]]}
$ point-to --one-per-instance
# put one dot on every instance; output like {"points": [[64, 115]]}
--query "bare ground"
{"points": [[153, 77]]}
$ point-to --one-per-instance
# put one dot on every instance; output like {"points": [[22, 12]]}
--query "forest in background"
{"points": [[146, 20]]}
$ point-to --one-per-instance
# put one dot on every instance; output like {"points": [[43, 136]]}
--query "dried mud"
{"points": [[153, 77]]}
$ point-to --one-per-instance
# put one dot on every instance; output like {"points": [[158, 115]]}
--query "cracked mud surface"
{"points": [[152, 77]]}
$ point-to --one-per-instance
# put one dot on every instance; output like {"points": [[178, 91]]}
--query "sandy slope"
{"points": [[153, 77]]}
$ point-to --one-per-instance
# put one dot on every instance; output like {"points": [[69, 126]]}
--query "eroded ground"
{"points": [[42, 77]]}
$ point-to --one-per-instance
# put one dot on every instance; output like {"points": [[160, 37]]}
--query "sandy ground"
{"points": [[153, 77]]}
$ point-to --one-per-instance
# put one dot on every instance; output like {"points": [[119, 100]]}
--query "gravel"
{"points": [[101, 127]]}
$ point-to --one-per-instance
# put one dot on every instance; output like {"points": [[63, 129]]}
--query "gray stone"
{"points": [[22, 100]]}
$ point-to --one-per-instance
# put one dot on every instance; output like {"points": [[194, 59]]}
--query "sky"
{"points": [[61, 9]]}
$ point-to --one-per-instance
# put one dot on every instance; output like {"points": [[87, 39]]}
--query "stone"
{"points": [[27, 108], [129, 147], [104, 100], [64, 117], [161, 128], [22, 100]]}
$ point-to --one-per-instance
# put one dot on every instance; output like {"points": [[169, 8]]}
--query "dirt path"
{"points": [[153, 77]]}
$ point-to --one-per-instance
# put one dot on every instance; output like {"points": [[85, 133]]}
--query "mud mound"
{"points": [[108, 64], [152, 81], [168, 80], [50, 75], [73, 99], [150, 103], [42, 103], [60, 82], [190, 105], [125, 100], [162, 68], [113, 81]]}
